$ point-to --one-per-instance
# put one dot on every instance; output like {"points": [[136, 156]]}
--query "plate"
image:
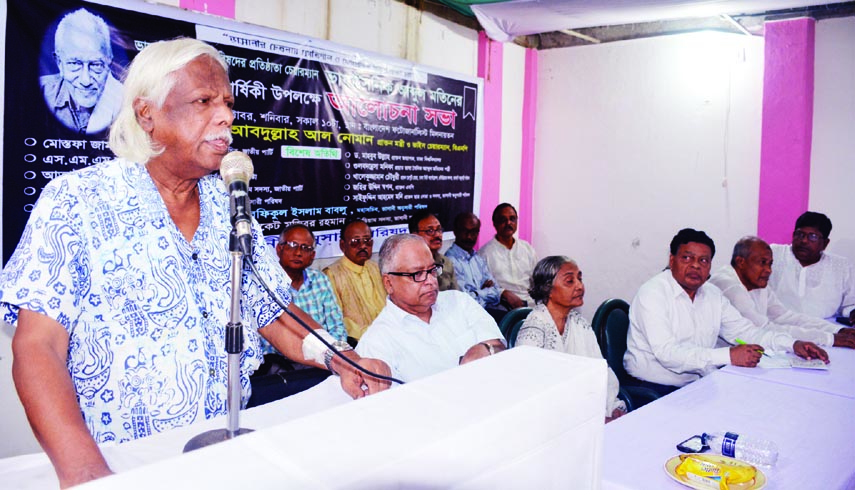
{"points": [[671, 467]]}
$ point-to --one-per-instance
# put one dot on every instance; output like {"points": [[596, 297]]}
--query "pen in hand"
{"points": [[742, 342]]}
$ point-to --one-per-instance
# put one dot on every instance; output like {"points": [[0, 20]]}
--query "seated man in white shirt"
{"points": [[511, 260], [744, 281], [422, 331], [676, 319], [810, 280]]}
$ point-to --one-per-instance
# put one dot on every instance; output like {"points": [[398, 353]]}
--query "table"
{"points": [[812, 424], [838, 380], [524, 418]]}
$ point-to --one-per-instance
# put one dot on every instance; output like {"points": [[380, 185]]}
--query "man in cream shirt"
{"points": [[511, 260], [810, 280], [744, 281]]}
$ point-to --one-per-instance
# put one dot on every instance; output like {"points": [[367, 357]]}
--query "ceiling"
{"points": [[545, 24]]}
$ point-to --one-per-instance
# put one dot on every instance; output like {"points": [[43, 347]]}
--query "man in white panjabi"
{"points": [[810, 280]]}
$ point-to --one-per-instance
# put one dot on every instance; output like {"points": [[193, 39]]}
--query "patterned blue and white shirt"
{"points": [[144, 308], [472, 272], [317, 299]]}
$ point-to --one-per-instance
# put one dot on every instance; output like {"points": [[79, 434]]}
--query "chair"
{"points": [[611, 324], [598, 323], [515, 329], [510, 320]]}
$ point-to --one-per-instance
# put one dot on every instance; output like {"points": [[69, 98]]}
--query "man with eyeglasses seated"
{"points": [[676, 319], [356, 279], [423, 331], [511, 260], [426, 225], [84, 96], [810, 280], [312, 292]]}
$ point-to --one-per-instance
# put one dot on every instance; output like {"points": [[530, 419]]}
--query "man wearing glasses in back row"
{"points": [[426, 225], [312, 292], [356, 279], [422, 331], [809, 280]]}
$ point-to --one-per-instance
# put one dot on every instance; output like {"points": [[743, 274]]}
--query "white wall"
{"points": [[638, 139], [833, 152], [382, 26], [513, 78]]}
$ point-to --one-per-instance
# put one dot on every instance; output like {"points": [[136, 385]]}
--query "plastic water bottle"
{"points": [[752, 451]]}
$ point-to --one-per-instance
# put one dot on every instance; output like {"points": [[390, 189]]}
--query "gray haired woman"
{"points": [[556, 324]]}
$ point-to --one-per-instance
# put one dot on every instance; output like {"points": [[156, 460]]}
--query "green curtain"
{"points": [[462, 6]]}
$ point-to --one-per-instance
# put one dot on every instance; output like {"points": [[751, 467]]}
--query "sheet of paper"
{"points": [[809, 364], [786, 361], [775, 361]]}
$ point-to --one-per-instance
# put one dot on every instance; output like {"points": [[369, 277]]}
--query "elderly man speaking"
{"points": [[120, 284], [422, 331]]}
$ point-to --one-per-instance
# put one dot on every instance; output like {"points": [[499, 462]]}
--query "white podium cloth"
{"points": [[813, 430], [524, 418], [839, 379]]}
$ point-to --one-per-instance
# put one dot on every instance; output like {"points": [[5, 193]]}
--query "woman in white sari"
{"points": [[556, 324]]}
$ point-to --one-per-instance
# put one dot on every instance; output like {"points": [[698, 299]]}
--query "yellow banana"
{"points": [[715, 471]]}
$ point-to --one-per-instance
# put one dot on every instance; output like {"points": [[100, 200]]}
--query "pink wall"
{"points": [[490, 69], [224, 8], [787, 127], [529, 117]]}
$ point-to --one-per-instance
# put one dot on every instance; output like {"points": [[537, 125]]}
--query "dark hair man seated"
{"points": [[356, 278], [809, 280], [511, 259], [676, 319], [312, 292], [473, 274], [426, 225]]}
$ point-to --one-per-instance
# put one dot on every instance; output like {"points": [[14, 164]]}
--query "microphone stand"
{"points": [[234, 347]]}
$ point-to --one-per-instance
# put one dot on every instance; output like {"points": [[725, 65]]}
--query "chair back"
{"points": [[515, 330], [611, 324], [511, 319]]}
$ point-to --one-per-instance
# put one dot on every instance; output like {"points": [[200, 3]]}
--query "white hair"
{"points": [[390, 248], [151, 76], [83, 22]]}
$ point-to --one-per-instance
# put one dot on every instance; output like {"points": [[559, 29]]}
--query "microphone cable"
{"points": [[311, 330]]}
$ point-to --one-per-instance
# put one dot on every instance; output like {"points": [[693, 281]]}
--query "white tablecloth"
{"points": [[814, 431], [838, 380], [525, 418]]}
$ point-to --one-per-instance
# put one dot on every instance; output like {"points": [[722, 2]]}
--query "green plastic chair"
{"points": [[611, 324], [515, 330], [511, 319]]}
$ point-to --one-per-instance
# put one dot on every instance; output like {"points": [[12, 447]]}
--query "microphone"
{"points": [[236, 171]]}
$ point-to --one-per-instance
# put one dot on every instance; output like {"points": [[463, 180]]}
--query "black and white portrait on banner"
{"points": [[333, 132]]}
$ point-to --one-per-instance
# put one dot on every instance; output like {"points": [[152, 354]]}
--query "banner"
{"points": [[333, 132]]}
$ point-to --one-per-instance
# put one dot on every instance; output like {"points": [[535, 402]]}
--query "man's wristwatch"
{"points": [[489, 347], [341, 346]]}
